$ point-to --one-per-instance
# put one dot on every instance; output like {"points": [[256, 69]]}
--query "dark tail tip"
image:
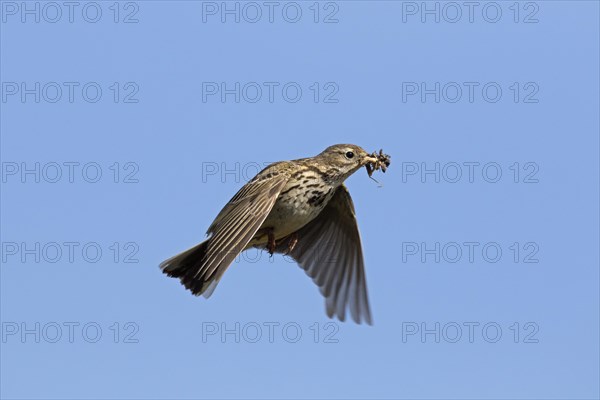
{"points": [[185, 266]]}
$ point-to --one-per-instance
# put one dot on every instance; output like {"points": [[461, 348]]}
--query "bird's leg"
{"points": [[292, 243], [271, 244]]}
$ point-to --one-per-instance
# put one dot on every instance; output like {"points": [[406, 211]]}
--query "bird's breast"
{"points": [[298, 203]]}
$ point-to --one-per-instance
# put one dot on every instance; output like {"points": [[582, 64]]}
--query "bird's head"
{"points": [[346, 158]]}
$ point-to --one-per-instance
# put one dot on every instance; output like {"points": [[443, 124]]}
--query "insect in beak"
{"points": [[377, 161]]}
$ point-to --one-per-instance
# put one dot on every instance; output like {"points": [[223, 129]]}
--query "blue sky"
{"points": [[126, 128]]}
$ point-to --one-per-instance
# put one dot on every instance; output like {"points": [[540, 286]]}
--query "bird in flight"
{"points": [[300, 208]]}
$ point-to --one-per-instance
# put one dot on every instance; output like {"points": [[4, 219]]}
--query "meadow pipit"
{"points": [[301, 208]]}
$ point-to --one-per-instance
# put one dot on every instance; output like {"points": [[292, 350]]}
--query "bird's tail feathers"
{"points": [[186, 266]]}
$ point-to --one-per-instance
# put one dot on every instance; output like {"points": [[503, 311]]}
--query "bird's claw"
{"points": [[292, 243], [271, 244]]}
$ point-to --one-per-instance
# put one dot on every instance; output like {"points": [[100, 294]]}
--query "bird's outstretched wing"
{"points": [[329, 249], [201, 267], [239, 220]]}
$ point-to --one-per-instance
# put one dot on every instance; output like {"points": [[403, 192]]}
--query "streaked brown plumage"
{"points": [[300, 208]]}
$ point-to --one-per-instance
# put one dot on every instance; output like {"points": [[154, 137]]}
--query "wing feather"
{"points": [[237, 223], [329, 250]]}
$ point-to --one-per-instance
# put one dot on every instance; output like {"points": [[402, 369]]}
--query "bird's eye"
{"points": [[349, 154]]}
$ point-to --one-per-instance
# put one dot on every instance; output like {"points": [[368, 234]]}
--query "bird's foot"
{"points": [[271, 244], [292, 243]]}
